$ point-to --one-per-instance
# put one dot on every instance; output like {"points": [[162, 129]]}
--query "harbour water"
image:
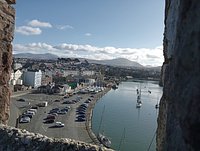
{"points": [[121, 113]]}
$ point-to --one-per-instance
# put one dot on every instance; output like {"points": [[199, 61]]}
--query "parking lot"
{"points": [[73, 128]]}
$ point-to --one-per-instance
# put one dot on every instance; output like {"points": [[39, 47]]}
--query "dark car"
{"points": [[81, 112], [82, 107], [79, 119], [87, 101], [29, 115], [57, 101], [49, 121], [50, 117], [21, 100], [34, 107], [81, 116]]}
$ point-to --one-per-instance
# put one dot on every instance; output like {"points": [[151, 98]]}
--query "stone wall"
{"points": [[7, 20], [22, 140], [179, 113]]}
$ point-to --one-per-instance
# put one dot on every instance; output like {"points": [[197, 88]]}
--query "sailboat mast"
{"points": [[122, 139], [101, 119]]}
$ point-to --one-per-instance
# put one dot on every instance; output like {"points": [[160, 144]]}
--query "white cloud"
{"points": [[88, 34], [37, 23], [144, 56], [62, 27], [26, 30]]}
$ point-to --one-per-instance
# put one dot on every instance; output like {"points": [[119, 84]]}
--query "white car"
{"points": [[59, 124], [32, 110], [25, 119]]}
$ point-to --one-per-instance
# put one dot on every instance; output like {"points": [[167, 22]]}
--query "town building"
{"points": [[32, 78]]}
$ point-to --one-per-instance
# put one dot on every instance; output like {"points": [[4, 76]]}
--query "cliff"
{"points": [[179, 113]]}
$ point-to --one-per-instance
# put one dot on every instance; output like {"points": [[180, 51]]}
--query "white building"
{"points": [[15, 77], [32, 78], [70, 72], [17, 66], [88, 73]]}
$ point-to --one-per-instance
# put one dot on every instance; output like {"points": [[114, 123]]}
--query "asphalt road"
{"points": [[72, 129]]}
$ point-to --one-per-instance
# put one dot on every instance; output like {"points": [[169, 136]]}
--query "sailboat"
{"points": [[139, 102], [101, 137]]}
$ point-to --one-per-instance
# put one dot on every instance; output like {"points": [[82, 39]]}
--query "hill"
{"points": [[45, 56]]}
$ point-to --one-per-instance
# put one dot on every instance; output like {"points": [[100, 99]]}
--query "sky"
{"points": [[93, 29]]}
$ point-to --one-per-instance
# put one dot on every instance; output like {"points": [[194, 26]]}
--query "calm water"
{"points": [[121, 113]]}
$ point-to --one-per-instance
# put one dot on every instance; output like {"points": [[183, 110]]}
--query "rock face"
{"points": [[7, 20], [179, 113]]}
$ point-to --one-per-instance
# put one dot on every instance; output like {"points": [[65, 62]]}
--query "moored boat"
{"points": [[104, 140]]}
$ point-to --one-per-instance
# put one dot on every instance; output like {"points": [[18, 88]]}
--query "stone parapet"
{"points": [[21, 140]]}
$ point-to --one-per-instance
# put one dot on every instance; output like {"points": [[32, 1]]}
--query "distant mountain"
{"points": [[158, 68], [122, 62], [36, 56]]}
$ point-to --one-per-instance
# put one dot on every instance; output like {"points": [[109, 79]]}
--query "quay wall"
{"points": [[89, 116]]}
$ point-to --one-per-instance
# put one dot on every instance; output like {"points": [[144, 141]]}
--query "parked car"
{"points": [[81, 116], [50, 117], [81, 109], [24, 119], [64, 109], [34, 107], [80, 112], [57, 101], [80, 119], [59, 124], [62, 112], [54, 114], [32, 110], [49, 121], [27, 114], [87, 101], [65, 97], [21, 100]]}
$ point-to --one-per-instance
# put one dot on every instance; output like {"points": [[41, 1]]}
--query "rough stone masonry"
{"points": [[7, 24], [179, 113]]}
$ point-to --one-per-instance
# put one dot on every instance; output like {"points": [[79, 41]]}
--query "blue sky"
{"points": [[95, 29]]}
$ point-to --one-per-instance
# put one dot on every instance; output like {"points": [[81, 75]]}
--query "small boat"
{"points": [[114, 87], [104, 140], [156, 106], [138, 105]]}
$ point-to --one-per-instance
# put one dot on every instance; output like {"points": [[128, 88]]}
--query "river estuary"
{"points": [[133, 128]]}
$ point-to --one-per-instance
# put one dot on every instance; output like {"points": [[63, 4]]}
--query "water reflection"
{"points": [[121, 112]]}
